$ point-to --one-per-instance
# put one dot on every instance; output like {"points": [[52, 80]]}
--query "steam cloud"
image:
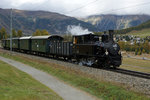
{"points": [[77, 30]]}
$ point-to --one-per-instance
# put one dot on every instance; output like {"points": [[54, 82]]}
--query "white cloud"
{"points": [[88, 7]]}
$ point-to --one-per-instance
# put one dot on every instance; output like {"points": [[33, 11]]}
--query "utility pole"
{"points": [[11, 29]]}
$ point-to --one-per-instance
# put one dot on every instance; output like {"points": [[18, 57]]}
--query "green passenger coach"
{"points": [[25, 43], [41, 44], [7, 41], [4, 43], [15, 43]]}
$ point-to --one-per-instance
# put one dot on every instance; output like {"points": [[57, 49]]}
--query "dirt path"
{"points": [[67, 92]]}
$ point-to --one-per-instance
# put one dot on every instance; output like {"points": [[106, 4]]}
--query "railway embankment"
{"points": [[66, 91], [101, 83]]}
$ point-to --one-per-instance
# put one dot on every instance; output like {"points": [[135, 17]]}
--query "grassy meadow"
{"points": [[17, 85], [100, 89], [136, 64], [141, 33]]}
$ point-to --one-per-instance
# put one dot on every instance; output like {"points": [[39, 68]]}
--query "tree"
{"points": [[136, 51], [40, 32], [143, 51], [44, 32], [146, 46], [37, 33], [139, 52], [14, 34], [122, 45], [19, 33], [3, 33]]}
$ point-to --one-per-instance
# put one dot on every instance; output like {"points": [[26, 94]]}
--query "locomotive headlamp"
{"points": [[106, 52]]}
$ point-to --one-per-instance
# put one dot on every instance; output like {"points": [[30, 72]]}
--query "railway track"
{"points": [[132, 73], [118, 70]]}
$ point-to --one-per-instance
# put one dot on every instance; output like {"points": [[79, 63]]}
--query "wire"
{"points": [[146, 3], [81, 7], [126, 7]]}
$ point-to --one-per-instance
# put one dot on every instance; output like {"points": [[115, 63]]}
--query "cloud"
{"points": [[80, 8]]}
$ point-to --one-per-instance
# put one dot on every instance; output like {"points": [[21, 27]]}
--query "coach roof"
{"points": [[27, 37], [46, 37]]}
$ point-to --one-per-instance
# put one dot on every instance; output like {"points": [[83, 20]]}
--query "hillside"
{"points": [[141, 30], [29, 21], [106, 22]]}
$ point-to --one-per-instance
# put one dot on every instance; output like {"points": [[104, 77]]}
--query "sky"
{"points": [[81, 8]]}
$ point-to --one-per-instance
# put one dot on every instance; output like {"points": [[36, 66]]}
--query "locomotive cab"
{"points": [[85, 39], [85, 48]]}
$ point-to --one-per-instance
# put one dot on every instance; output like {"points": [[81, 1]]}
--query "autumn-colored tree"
{"points": [[19, 33], [146, 46], [3, 33], [138, 48], [143, 51], [136, 52], [14, 34], [37, 33], [44, 32], [122, 45], [40, 32]]}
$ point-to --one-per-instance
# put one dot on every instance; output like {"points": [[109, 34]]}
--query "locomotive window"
{"points": [[86, 39], [91, 39]]}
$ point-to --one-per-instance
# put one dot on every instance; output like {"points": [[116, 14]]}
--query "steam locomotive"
{"points": [[90, 50], [87, 49]]}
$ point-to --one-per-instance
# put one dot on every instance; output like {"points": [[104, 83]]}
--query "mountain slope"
{"points": [[142, 29], [29, 21], [106, 22]]}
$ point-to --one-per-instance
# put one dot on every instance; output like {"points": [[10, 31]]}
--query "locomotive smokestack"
{"points": [[111, 33], [104, 32]]}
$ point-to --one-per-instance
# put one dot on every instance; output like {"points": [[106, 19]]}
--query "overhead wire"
{"points": [[118, 9], [140, 4], [81, 7]]}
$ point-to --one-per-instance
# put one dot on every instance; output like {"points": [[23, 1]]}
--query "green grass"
{"points": [[100, 89], [137, 62], [141, 33], [17, 85]]}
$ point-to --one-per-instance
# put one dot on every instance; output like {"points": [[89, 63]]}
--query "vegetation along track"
{"points": [[118, 70], [130, 82]]}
